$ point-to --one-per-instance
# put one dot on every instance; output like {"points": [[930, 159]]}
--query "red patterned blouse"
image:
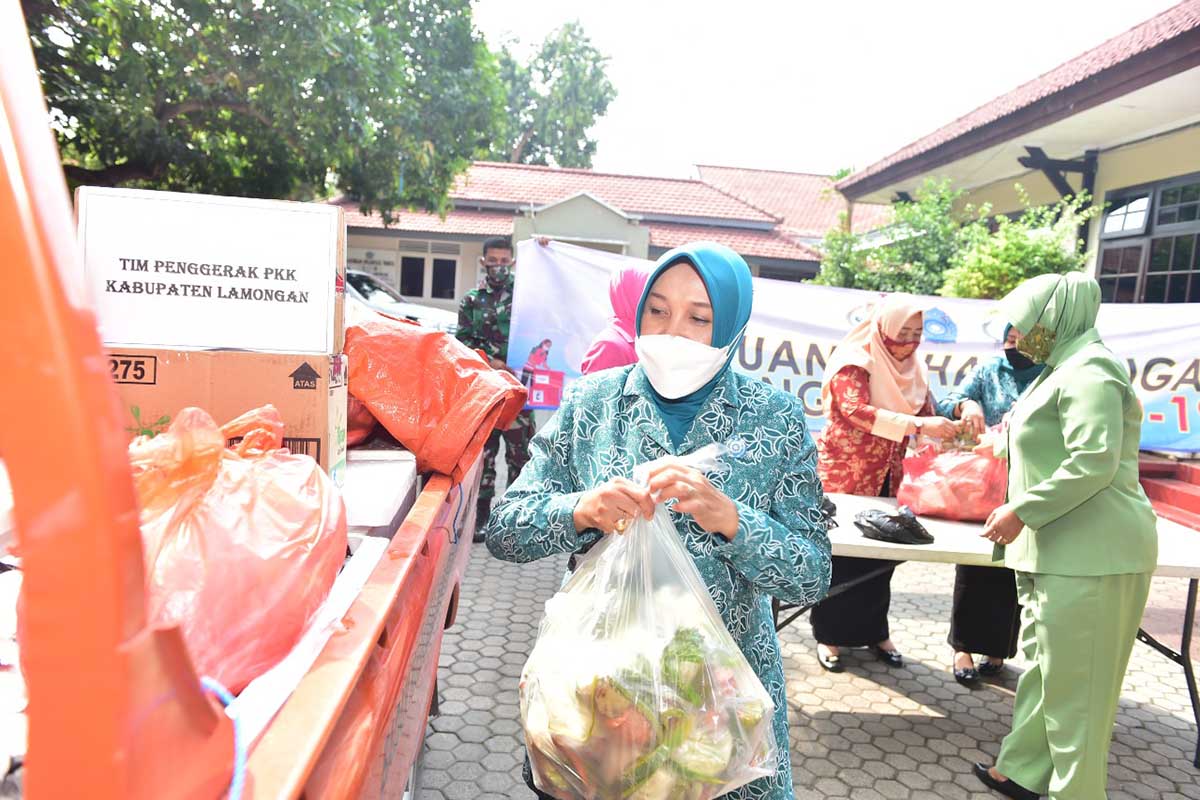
{"points": [[861, 445]]}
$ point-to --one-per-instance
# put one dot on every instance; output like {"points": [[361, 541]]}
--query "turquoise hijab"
{"points": [[731, 292]]}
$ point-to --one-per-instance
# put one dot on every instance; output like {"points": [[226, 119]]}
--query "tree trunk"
{"points": [[519, 148]]}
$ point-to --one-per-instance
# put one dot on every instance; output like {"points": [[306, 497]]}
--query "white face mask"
{"points": [[677, 366]]}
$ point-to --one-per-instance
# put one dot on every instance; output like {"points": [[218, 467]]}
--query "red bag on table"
{"points": [[436, 396], [241, 545], [959, 485]]}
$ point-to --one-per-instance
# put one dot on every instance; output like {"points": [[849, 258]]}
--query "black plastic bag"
{"points": [[899, 526], [828, 513]]}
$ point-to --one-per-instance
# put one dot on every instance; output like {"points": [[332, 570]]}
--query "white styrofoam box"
{"points": [[379, 490]]}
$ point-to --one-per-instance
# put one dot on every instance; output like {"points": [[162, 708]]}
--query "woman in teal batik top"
{"points": [[985, 617], [754, 529]]}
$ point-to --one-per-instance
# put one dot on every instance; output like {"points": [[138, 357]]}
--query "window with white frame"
{"points": [[429, 270], [1128, 216]]}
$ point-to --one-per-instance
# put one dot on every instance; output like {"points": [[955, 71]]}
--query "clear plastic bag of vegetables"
{"points": [[635, 689]]}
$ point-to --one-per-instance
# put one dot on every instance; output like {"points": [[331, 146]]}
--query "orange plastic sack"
{"points": [[439, 398], [241, 545], [956, 485]]}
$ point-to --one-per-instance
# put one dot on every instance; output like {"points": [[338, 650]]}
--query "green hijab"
{"points": [[1065, 305]]}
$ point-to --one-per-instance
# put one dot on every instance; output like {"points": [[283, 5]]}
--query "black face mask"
{"points": [[1017, 359]]}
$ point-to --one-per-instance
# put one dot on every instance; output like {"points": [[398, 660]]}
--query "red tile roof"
{"points": [[524, 185], [765, 244], [465, 222], [809, 204], [1168, 25], [491, 183]]}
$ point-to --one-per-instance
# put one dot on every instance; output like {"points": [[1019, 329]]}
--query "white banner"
{"points": [[561, 303]]}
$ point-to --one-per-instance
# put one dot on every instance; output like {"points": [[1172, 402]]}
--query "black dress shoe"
{"points": [[989, 668], [890, 657], [830, 662], [482, 513], [968, 677], [1005, 787]]}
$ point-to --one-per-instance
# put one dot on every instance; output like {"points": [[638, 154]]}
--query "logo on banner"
{"points": [[859, 313], [939, 327]]}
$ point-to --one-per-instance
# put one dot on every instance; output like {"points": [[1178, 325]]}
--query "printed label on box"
{"points": [[128, 368], [178, 270]]}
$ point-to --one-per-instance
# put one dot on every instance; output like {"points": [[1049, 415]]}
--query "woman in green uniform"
{"points": [[1081, 536]]}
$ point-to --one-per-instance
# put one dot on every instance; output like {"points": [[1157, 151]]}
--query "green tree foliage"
{"points": [[1043, 240], [553, 101], [932, 249], [844, 258], [270, 98], [922, 243]]}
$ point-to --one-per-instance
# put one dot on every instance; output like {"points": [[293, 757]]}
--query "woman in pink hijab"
{"points": [[875, 395], [613, 346]]}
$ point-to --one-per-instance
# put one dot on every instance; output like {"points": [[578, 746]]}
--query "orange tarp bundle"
{"points": [[436, 396]]}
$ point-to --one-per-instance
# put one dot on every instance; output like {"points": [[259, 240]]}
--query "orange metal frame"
{"points": [[115, 708], [356, 722]]}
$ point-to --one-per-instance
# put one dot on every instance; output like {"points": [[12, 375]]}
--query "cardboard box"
{"points": [[309, 391], [192, 271]]}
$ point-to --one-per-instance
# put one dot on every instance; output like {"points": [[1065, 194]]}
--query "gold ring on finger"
{"points": [[622, 524]]}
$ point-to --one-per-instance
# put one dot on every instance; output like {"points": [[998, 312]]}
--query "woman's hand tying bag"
{"points": [[939, 427], [695, 495], [612, 505], [971, 414]]}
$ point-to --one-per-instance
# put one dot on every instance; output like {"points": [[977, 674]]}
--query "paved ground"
{"points": [[869, 733]]}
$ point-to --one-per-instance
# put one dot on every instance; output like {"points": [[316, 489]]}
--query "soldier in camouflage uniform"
{"points": [[483, 324]]}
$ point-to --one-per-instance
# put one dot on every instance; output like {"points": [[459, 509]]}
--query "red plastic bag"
{"points": [[956, 485], [439, 398], [241, 545]]}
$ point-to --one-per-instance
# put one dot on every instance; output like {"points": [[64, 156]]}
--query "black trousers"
{"points": [[857, 617], [986, 617]]}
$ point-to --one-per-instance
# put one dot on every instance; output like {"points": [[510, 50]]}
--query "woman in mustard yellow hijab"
{"points": [[1082, 538]]}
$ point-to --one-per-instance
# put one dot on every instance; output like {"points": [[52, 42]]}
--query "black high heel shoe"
{"points": [[1005, 787], [990, 668], [892, 658], [968, 677]]}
